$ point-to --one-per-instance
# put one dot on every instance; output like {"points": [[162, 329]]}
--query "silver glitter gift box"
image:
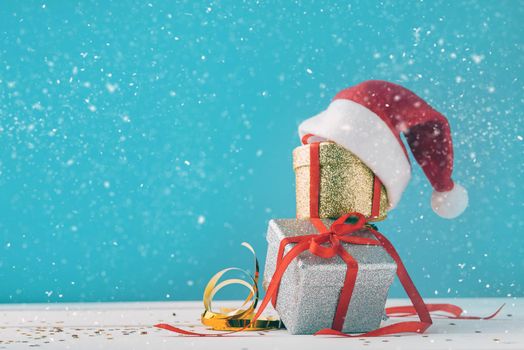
{"points": [[310, 288]]}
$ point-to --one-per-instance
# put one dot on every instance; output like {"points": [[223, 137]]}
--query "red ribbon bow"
{"points": [[340, 231]]}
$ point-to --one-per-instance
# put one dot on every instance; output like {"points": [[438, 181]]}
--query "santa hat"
{"points": [[368, 118]]}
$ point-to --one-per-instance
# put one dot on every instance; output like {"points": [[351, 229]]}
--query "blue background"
{"points": [[142, 142]]}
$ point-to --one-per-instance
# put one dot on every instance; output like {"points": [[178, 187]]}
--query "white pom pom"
{"points": [[450, 204]]}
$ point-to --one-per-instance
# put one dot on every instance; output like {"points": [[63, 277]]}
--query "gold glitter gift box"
{"points": [[345, 184]]}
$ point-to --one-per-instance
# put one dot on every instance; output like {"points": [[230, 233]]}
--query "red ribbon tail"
{"points": [[401, 327], [170, 328], [495, 313], [489, 317], [455, 311]]}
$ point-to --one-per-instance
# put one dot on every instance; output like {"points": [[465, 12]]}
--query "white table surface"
{"points": [[129, 326]]}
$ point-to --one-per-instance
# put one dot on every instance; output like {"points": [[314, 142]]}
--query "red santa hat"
{"points": [[368, 118]]}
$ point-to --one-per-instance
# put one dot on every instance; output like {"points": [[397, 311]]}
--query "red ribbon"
{"points": [[375, 204], [454, 311], [327, 244], [314, 181]]}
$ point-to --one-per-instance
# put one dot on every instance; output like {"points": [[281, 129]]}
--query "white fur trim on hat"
{"points": [[450, 204], [366, 135]]}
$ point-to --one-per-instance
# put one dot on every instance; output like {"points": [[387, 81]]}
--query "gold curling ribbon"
{"points": [[228, 319]]}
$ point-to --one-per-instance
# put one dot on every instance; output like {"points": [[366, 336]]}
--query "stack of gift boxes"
{"points": [[309, 291]]}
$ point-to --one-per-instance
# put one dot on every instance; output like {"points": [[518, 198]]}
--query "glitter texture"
{"points": [[310, 288], [346, 184]]}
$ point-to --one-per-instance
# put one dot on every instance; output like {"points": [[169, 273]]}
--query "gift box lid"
{"points": [[330, 153], [317, 271]]}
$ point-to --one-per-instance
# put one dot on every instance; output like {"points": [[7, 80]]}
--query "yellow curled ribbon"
{"points": [[228, 319]]}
